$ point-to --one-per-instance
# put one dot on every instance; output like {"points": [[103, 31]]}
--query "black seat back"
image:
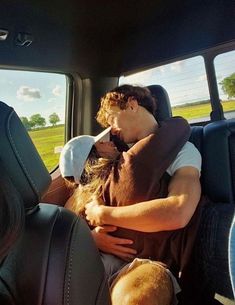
{"points": [[21, 159], [54, 261], [219, 160]]}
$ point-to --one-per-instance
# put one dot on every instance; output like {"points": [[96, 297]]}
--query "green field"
{"points": [[200, 110], [47, 139]]}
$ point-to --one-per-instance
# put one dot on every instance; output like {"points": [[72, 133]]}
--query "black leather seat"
{"points": [[163, 111], [219, 160], [216, 142], [54, 261]]}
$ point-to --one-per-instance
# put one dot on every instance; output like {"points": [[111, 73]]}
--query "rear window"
{"points": [[186, 83], [39, 100]]}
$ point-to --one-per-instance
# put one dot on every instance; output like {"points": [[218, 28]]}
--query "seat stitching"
{"points": [[70, 270]]}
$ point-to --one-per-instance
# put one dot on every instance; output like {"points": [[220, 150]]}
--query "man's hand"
{"points": [[112, 245]]}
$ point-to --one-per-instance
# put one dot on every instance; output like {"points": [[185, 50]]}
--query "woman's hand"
{"points": [[112, 245], [94, 212]]}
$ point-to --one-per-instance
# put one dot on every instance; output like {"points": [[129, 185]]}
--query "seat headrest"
{"points": [[20, 158], [163, 102]]}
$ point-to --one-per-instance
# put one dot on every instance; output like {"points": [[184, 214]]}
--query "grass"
{"points": [[47, 139], [200, 110]]}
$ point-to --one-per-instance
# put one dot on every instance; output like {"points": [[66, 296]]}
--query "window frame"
{"points": [[69, 98]]}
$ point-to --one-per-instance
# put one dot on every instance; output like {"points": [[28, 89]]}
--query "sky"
{"points": [[185, 81], [45, 93], [34, 92]]}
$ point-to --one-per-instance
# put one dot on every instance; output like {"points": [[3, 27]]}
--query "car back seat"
{"points": [[55, 260], [216, 142], [219, 160]]}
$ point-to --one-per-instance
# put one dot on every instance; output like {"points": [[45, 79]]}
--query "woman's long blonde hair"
{"points": [[91, 184]]}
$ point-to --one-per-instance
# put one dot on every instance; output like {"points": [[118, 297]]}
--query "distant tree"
{"points": [[54, 119], [36, 120], [26, 122], [228, 85]]}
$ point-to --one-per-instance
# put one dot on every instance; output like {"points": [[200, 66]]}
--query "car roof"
{"points": [[111, 38]]}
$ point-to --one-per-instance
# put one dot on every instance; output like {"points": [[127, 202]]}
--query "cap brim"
{"points": [[103, 136]]}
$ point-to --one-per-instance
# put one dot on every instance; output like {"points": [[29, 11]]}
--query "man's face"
{"points": [[123, 123]]}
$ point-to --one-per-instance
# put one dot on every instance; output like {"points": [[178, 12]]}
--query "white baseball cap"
{"points": [[75, 153]]}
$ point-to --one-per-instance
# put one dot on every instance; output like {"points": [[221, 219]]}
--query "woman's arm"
{"points": [[112, 245]]}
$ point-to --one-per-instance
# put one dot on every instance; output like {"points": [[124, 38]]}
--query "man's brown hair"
{"points": [[119, 97]]}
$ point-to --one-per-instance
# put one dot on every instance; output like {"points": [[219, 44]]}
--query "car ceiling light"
{"points": [[23, 39], [3, 34]]}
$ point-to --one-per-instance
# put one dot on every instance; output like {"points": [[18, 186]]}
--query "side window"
{"points": [[225, 75], [39, 100], [186, 83]]}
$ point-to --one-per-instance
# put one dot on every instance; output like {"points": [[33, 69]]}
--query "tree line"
{"points": [[228, 85], [37, 121]]}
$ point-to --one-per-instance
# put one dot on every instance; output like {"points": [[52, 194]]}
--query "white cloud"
{"points": [[57, 91], [28, 94], [144, 78], [161, 69], [177, 66], [202, 77]]}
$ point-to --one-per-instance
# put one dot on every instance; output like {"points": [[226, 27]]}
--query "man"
{"points": [[132, 124], [129, 111]]}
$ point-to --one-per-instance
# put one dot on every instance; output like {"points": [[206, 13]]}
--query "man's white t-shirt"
{"points": [[188, 156]]}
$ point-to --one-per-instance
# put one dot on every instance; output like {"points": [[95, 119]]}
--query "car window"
{"points": [[186, 83], [39, 100], [225, 75]]}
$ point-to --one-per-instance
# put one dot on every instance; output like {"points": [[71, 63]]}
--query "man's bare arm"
{"points": [[171, 213]]}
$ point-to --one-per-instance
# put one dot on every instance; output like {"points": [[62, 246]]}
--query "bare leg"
{"points": [[147, 284]]}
